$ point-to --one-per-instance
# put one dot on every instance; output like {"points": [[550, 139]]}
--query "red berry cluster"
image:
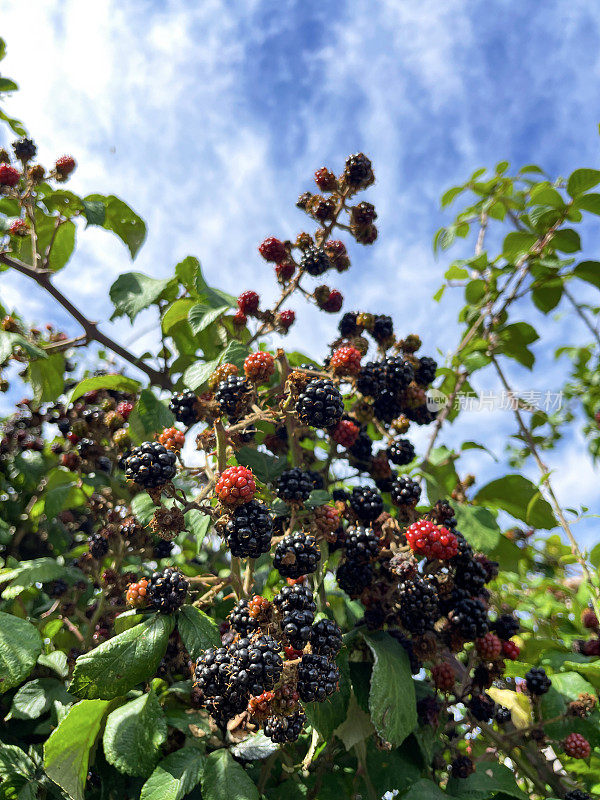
{"points": [[425, 538]]}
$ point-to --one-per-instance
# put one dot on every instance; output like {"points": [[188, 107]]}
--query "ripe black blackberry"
{"points": [[285, 729], [461, 767], [398, 373], [150, 465], [57, 588], [366, 503], [505, 627], [162, 548], [386, 406], [469, 575], [361, 450], [354, 577], [315, 261], [24, 148], [167, 590], [482, 707], [185, 407], [362, 544], [317, 678], [502, 715], [482, 677], [326, 638], [98, 546], [296, 554], [370, 380], [537, 681], [316, 478], [358, 171], [256, 664], [577, 794], [347, 325], [320, 404], [425, 372], [297, 609], [233, 395], [419, 608], [421, 415], [383, 328], [405, 492], [401, 452], [294, 485], [240, 619], [211, 675], [469, 618], [340, 495], [249, 530]]}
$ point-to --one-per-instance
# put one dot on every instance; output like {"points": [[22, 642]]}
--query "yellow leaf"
{"points": [[519, 705]]}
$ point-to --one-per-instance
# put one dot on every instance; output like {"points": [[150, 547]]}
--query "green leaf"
{"points": [[392, 700], [198, 525], [266, 467], [489, 779], [197, 375], [94, 211], [119, 383], [134, 734], [10, 341], [330, 714], [133, 292], [67, 751], [356, 727], [176, 312], [14, 761], [149, 416], [20, 646], [122, 220], [548, 296], [188, 271], [225, 778], [35, 698], [143, 508], [197, 630], [589, 202], [46, 376], [235, 353], [517, 244], [255, 748], [566, 240], [61, 241], [588, 271], [520, 498], [176, 775], [65, 202], [201, 316], [425, 790], [317, 497], [478, 525], [513, 340], [15, 124], [56, 660], [116, 666], [582, 180]]}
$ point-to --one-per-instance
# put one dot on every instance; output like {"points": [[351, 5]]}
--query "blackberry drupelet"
{"points": [[482, 707], [383, 328], [167, 590], [98, 546], [366, 503], [469, 618], [317, 678], [419, 608], [294, 485], [537, 681], [256, 664], [398, 373], [249, 530], [506, 626], [371, 379], [362, 544], [185, 407], [285, 729], [150, 465], [326, 638], [320, 404], [405, 492], [296, 554], [240, 619], [401, 452], [315, 261], [233, 395], [354, 577], [425, 372], [347, 325]]}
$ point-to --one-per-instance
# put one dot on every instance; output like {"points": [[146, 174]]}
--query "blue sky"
{"points": [[210, 119]]}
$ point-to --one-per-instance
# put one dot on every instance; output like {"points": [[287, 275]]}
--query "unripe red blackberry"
{"points": [[285, 271], [358, 171], [233, 396], [401, 452], [286, 318], [366, 503], [294, 485], [577, 746], [150, 465], [296, 554], [25, 149], [136, 593], [337, 254], [9, 176], [249, 530], [325, 180], [20, 227], [443, 677], [64, 166], [346, 360], [184, 407], [320, 404], [239, 319], [286, 728], [167, 590], [332, 303], [405, 492], [489, 647], [432, 541], [124, 408], [461, 767], [172, 439], [345, 433], [537, 681], [326, 638], [317, 678], [315, 262], [259, 366], [235, 486], [272, 249], [221, 374], [248, 302], [510, 650]]}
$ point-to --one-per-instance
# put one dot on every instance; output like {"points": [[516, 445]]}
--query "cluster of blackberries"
{"points": [[241, 620], [366, 503], [185, 407], [320, 404], [405, 492], [167, 590], [318, 678], [150, 465], [295, 485], [296, 554]]}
